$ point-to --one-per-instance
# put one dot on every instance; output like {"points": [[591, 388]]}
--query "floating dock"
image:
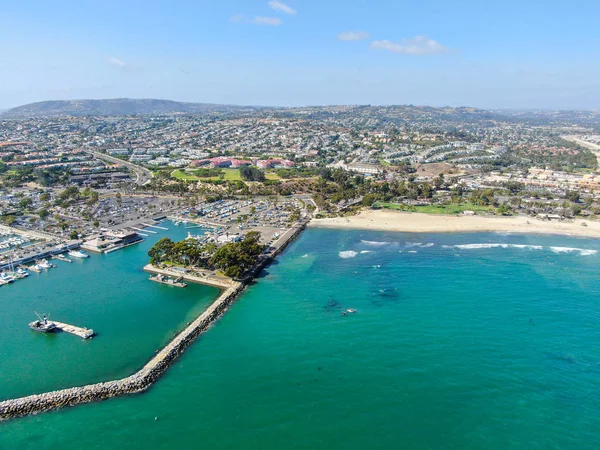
{"points": [[62, 258], [83, 333]]}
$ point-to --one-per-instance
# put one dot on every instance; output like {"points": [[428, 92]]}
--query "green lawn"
{"points": [[437, 209], [230, 175]]}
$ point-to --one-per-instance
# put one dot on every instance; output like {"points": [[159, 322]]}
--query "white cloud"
{"points": [[261, 20], [237, 18], [125, 67], [352, 36], [117, 62], [419, 45], [282, 7]]}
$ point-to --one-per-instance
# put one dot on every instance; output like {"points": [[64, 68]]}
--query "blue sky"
{"points": [[490, 54]]}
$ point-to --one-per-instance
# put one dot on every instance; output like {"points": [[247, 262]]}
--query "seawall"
{"points": [[156, 367]]}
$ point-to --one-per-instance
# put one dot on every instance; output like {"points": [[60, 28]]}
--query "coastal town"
{"points": [[239, 186], [99, 183], [279, 224]]}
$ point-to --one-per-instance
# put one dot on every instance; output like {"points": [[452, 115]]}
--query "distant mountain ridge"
{"points": [[112, 107]]}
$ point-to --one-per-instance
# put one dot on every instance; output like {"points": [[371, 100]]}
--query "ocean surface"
{"points": [[479, 341]]}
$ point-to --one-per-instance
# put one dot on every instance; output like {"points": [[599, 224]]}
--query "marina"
{"points": [[107, 292]]}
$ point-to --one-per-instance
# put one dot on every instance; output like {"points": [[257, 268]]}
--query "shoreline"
{"points": [[407, 222]]}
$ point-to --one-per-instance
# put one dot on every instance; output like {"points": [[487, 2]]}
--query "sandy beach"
{"points": [[382, 220]]}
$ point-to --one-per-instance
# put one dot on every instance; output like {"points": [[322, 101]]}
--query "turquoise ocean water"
{"points": [[482, 341]]}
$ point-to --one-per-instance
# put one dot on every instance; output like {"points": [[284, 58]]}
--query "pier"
{"points": [[83, 333], [144, 230], [154, 226], [208, 278]]}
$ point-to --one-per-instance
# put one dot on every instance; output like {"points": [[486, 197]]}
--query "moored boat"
{"points": [[43, 324], [78, 254]]}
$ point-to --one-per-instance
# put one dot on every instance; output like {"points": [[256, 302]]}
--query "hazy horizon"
{"points": [[3, 109]]}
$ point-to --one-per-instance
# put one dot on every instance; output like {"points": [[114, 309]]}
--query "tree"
{"points": [[161, 251], [573, 196], [43, 213], [252, 174], [235, 258], [25, 203], [504, 210]]}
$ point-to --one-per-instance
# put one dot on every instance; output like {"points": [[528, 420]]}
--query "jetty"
{"points": [[162, 360], [83, 333], [62, 258]]}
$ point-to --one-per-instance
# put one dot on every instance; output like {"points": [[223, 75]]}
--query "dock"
{"points": [[83, 333], [62, 258], [154, 226], [144, 230], [169, 281]]}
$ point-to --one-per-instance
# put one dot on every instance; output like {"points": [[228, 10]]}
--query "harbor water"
{"points": [[479, 341], [132, 316]]}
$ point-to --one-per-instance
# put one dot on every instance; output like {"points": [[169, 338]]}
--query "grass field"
{"points": [[229, 175], [458, 208]]}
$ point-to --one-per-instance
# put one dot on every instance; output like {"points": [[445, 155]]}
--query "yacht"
{"points": [[22, 272], [78, 254], [7, 278], [43, 264]]}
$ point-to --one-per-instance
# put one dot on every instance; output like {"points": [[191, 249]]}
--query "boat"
{"points": [[42, 325], [78, 254], [43, 264], [35, 268], [6, 277], [23, 272]]}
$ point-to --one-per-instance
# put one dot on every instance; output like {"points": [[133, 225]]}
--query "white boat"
{"points": [[78, 254], [43, 264], [22, 272], [6, 278]]}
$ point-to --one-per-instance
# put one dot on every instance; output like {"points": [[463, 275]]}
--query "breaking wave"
{"points": [[348, 254], [557, 250], [366, 251], [375, 243], [581, 251], [480, 246]]}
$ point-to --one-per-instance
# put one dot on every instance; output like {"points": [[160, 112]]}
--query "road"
{"points": [[143, 175]]}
